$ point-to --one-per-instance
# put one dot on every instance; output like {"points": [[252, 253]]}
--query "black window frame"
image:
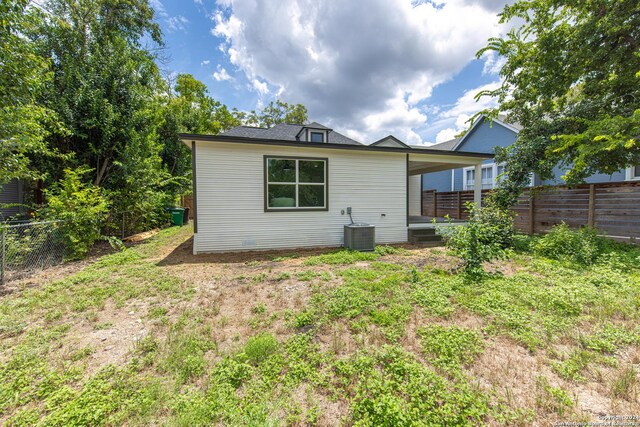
{"points": [[311, 133], [265, 167]]}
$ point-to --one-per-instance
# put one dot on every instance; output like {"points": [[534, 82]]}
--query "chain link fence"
{"points": [[29, 247]]}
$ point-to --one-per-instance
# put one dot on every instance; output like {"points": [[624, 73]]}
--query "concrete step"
{"points": [[422, 231], [424, 236]]}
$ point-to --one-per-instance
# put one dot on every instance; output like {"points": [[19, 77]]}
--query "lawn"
{"points": [[156, 336]]}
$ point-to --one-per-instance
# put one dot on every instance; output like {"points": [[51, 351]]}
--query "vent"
{"points": [[360, 237]]}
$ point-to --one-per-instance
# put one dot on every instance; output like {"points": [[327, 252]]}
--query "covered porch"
{"points": [[419, 225]]}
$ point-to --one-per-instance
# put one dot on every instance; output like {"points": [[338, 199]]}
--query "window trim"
{"points": [[311, 132], [494, 183], [494, 176], [265, 183], [630, 176]]}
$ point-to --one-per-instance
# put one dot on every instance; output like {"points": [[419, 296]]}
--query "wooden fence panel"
{"points": [[613, 208], [187, 202]]}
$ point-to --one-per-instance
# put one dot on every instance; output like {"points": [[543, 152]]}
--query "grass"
{"points": [[340, 338]]}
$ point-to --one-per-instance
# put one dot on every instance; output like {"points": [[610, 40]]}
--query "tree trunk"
{"points": [[101, 172]]}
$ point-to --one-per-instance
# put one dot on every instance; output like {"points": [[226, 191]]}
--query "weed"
{"points": [[157, 312], [258, 348], [259, 309], [573, 366], [450, 347], [186, 344], [102, 326], [552, 399], [390, 250], [608, 338], [582, 246], [625, 384], [282, 276], [285, 257], [258, 278], [341, 257], [305, 276]]}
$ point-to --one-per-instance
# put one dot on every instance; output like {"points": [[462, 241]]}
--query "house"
{"points": [[483, 137], [11, 199], [289, 186]]}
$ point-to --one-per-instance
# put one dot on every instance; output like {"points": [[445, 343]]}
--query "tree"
{"points": [[102, 77], [274, 113], [187, 107], [572, 80], [23, 73]]}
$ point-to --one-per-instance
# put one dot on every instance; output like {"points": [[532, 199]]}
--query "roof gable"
{"points": [[390, 141], [481, 120]]}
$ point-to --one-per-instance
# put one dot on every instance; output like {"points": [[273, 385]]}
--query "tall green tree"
{"points": [[102, 77], [274, 113], [187, 108], [572, 80], [23, 73]]}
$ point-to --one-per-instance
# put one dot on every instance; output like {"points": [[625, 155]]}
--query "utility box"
{"points": [[360, 237]]}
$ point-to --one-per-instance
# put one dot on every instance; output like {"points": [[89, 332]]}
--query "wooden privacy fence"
{"points": [[613, 208], [187, 202]]}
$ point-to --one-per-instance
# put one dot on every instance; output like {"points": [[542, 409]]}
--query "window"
{"points": [[295, 183], [487, 177], [469, 181], [317, 137], [634, 172], [490, 176]]}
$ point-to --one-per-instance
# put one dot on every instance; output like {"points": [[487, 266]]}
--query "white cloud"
{"points": [[467, 103], [260, 87], [457, 117], [365, 71], [222, 75], [177, 23], [446, 135], [492, 63], [159, 8], [205, 62], [174, 23]]}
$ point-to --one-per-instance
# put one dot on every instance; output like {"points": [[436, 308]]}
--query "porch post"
{"points": [[477, 185]]}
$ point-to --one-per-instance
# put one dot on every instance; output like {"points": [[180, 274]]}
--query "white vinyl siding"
{"points": [[230, 198]]}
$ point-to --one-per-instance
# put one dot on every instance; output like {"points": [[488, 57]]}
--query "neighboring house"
{"points": [[483, 137], [289, 186], [11, 199]]}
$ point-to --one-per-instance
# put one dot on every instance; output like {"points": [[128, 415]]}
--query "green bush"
{"points": [[82, 208], [260, 347], [488, 235], [581, 246]]}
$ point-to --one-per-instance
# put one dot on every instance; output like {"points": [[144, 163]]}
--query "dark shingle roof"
{"points": [[444, 146], [286, 132]]}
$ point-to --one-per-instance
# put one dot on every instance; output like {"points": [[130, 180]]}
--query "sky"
{"points": [[365, 68]]}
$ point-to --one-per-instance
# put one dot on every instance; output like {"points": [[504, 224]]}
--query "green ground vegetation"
{"points": [[578, 320]]}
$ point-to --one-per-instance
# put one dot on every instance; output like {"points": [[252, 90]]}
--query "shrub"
{"points": [[581, 246], [83, 208], [487, 235], [260, 347]]}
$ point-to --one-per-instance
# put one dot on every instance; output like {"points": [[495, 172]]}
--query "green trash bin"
{"points": [[177, 216]]}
